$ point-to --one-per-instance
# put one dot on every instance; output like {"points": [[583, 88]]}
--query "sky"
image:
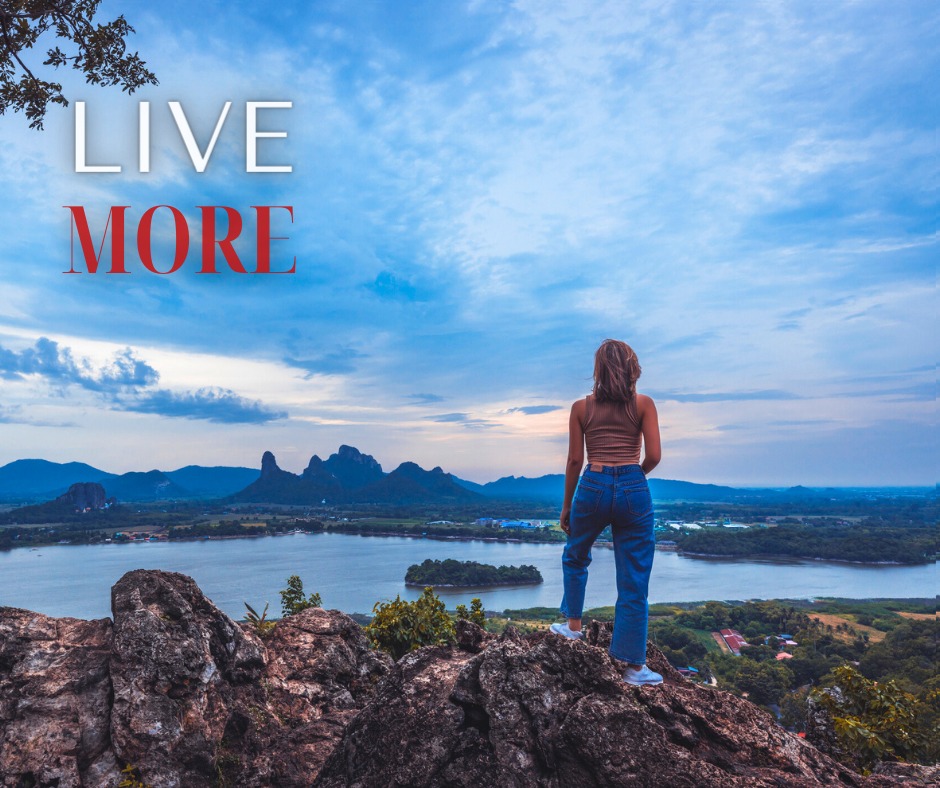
{"points": [[482, 192]]}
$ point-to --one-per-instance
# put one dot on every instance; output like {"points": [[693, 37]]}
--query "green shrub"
{"points": [[293, 600], [475, 615], [399, 627], [873, 721]]}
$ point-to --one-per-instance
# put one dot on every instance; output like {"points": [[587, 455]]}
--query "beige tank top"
{"points": [[612, 432]]}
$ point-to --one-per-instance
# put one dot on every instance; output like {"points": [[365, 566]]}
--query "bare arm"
{"points": [[575, 460], [649, 426]]}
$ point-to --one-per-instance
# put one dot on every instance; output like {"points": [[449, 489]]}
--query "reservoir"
{"points": [[352, 573]]}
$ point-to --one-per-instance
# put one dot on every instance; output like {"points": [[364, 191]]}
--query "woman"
{"points": [[613, 423]]}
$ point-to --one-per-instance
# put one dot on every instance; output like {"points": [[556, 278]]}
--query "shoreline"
{"points": [[511, 540], [409, 584], [776, 557]]}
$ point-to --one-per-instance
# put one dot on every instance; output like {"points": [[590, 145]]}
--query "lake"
{"points": [[352, 572]]}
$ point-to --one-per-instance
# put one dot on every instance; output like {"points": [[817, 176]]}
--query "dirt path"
{"points": [[874, 635]]}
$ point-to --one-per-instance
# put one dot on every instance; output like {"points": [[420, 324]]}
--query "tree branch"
{"points": [[12, 49]]}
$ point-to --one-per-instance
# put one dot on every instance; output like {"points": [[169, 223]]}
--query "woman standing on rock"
{"points": [[614, 422]]}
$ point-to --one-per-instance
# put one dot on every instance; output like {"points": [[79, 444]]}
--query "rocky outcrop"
{"points": [[352, 468], [85, 496], [545, 711], [269, 467], [186, 696], [178, 690], [177, 664], [55, 701]]}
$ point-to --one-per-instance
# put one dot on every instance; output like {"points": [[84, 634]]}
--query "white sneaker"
{"points": [[566, 632], [642, 676]]}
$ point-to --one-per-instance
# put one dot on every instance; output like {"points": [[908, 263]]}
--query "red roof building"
{"points": [[735, 640]]}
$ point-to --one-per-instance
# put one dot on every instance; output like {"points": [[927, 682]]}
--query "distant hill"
{"points": [[214, 482], [84, 501], [551, 487], [350, 476], [149, 486], [410, 483], [30, 479]]}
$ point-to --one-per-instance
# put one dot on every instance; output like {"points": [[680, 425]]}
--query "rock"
{"points": [[352, 468], [320, 673], [55, 701], [190, 698], [269, 467], [176, 661], [912, 774], [198, 698], [821, 729], [85, 495], [545, 711], [470, 636]]}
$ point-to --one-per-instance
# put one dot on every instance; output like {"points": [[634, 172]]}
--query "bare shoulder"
{"points": [[579, 408], [645, 404]]}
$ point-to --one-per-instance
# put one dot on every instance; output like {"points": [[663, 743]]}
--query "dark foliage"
{"points": [[470, 573], [865, 542], [100, 53]]}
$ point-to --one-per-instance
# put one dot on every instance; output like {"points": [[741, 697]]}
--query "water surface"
{"points": [[352, 572]]}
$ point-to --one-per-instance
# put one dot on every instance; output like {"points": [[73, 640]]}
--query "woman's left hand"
{"points": [[565, 521]]}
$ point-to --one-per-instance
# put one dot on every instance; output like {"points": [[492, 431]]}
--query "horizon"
{"points": [[482, 193], [652, 475]]}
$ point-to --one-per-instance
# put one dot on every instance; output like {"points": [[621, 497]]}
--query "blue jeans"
{"points": [[617, 496]]}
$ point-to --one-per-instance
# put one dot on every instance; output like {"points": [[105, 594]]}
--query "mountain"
{"points": [[551, 487], [349, 476], [275, 485], [673, 490], [468, 485], [411, 484], [149, 486], [351, 468], [40, 478], [84, 500], [214, 482]]}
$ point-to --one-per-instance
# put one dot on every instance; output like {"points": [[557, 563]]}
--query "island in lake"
{"points": [[456, 574]]}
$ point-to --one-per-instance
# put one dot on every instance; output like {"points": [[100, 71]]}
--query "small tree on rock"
{"points": [[293, 600], [475, 615]]}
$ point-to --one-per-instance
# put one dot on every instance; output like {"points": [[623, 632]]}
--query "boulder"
{"points": [[175, 665], [55, 701], [546, 711], [187, 697], [199, 699]]}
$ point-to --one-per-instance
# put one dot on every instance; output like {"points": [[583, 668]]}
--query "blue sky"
{"points": [[745, 192]]}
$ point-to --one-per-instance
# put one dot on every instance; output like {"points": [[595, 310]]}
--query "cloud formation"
{"points": [[58, 366], [483, 192], [221, 406], [534, 410], [126, 383]]}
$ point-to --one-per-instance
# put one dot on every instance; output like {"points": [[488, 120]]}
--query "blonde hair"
{"points": [[616, 370]]}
